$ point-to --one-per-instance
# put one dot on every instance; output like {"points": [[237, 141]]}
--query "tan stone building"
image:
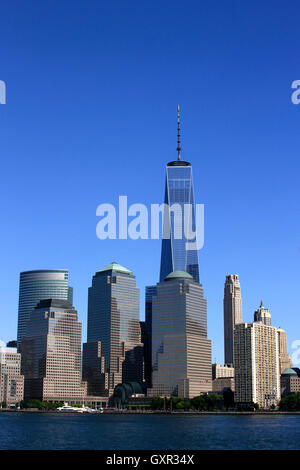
{"points": [[222, 378], [181, 351], [256, 365], [232, 313], [51, 353], [289, 382], [284, 358], [222, 384], [11, 380], [219, 371], [262, 314]]}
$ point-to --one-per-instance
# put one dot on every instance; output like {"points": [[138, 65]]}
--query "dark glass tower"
{"points": [[180, 191], [39, 285], [113, 353]]}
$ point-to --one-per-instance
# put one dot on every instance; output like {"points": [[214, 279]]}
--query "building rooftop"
{"points": [[179, 163], [115, 267], [289, 371], [178, 275]]}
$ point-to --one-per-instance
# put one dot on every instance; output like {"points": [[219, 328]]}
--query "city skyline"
{"points": [[69, 292], [90, 114], [169, 259]]}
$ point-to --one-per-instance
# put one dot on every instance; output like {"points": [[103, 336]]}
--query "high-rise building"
{"points": [[39, 285], [181, 351], [179, 191], [51, 353], [284, 358], [263, 315], [150, 291], [11, 380], [232, 313], [113, 353], [256, 365]]}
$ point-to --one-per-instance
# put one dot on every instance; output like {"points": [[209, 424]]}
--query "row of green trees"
{"points": [[208, 402], [290, 402], [40, 405]]}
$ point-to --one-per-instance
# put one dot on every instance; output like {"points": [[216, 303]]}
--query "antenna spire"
{"points": [[178, 134]]}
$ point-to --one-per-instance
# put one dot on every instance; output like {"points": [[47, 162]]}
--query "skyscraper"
{"points": [[181, 351], [256, 365], [113, 353], [150, 291], [39, 285], [284, 358], [51, 353], [232, 313], [262, 314], [179, 191]]}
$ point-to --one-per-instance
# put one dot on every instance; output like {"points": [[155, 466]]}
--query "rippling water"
{"points": [[53, 431]]}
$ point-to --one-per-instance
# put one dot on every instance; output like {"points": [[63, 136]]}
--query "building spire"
{"points": [[178, 134]]}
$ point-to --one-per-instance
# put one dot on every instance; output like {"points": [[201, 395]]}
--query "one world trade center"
{"points": [[179, 191]]}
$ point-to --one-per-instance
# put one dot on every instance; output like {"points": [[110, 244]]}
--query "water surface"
{"points": [[119, 432]]}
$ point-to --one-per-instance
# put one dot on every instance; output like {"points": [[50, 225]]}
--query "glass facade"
{"points": [[39, 285], [150, 291], [113, 353], [179, 190]]}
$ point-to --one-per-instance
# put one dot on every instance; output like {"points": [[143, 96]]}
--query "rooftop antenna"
{"points": [[178, 134]]}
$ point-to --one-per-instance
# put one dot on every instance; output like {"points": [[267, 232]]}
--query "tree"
{"points": [[199, 403], [214, 401], [290, 402]]}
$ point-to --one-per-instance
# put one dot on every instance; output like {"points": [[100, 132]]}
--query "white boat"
{"points": [[86, 409], [66, 408]]}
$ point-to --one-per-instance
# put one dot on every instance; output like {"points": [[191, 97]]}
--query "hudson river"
{"points": [[120, 432]]}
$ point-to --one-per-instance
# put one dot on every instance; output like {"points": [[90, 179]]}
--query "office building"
{"points": [[290, 381], [284, 358], [175, 253], [150, 291], [181, 351], [232, 313], [179, 191], [11, 380], [223, 384], [113, 353], [263, 315], [219, 371], [256, 365], [51, 353], [39, 285]]}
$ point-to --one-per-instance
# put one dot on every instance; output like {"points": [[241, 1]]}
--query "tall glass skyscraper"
{"points": [[174, 255], [39, 285], [179, 190]]}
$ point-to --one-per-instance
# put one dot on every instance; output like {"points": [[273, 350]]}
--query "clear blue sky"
{"points": [[92, 91]]}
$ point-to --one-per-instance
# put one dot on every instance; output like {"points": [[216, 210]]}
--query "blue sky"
{"points": [[92, 92]]}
